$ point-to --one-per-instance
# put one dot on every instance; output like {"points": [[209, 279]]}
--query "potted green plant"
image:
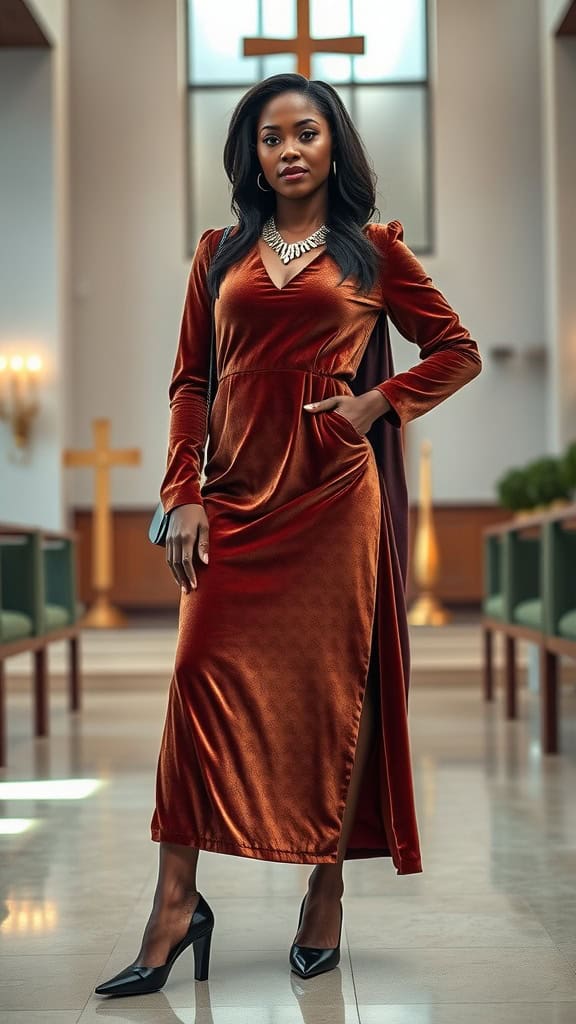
{"points": [[547, 483], [513, 491]]}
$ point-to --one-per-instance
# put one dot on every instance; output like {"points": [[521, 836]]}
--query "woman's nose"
{"points": [[290, 151]]}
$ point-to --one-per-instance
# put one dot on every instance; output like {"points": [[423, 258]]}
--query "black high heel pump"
{"points": [[136, 981], [307, 961]]}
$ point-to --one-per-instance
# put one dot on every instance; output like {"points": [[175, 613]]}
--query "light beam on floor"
{"points": [[50, 789]]}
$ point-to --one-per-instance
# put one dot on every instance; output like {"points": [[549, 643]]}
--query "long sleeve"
{"points": [[188, 390], [420, 312]]}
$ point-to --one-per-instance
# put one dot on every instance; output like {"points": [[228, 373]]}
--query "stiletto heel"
{"points": [[308, 961], [202, 957], [137, 981]]}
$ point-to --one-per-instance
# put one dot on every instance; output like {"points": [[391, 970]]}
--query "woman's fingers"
{"points": [[326, 403], [203, 542], [188, 524], [180, 562], [170, 558], [187, 563]]}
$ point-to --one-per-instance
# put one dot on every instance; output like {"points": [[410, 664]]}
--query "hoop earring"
{"points": [[334, 167], [260, 186]]}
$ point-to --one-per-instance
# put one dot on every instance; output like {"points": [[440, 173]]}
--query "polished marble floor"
{"points": [[143, 653], [485, 935]]}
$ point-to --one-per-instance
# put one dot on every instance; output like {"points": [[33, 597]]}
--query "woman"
{"points": [[286, 730]]}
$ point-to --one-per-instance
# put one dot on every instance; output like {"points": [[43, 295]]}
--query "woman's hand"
{"points": [[187, 525], [361, 410]]}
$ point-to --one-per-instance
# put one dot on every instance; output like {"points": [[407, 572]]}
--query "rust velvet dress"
{"points": [[304, 591]]}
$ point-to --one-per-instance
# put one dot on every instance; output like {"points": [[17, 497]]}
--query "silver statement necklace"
{"points": [[291, 250]]}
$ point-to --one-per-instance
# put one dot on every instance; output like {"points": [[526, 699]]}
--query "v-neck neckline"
{"points": [[290, 279]]}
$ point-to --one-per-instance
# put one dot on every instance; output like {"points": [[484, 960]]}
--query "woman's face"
{"points": [[294, 145]]}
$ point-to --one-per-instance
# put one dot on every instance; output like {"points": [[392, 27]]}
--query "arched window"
{"points": [[386, 90]]}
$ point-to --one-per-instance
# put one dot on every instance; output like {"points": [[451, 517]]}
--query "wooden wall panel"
{"points": [[459, 531], [142, 578], [144, 582]]}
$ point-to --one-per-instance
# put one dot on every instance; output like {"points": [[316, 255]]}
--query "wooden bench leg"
{"points": [[74, 678], [2, 716], [511, 681], [40, 693], [488, 664], [548, 701]]}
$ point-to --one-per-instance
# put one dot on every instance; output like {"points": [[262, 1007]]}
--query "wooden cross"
{"points": [[303, 45], [102, 458]]}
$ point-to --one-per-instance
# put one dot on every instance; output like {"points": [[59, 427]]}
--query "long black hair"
{"points": [[351, 191]]}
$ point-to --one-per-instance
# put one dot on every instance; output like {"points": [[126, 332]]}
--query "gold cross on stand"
{"points": [[102, 615], [303, 45]]}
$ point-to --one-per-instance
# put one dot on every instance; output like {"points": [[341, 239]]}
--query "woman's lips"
{"points": [[293, 175]]}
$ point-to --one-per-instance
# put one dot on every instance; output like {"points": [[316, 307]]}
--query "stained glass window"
{"points": [[386, 90]]}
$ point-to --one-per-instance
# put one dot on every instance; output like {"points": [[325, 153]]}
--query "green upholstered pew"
{"points": [[37, 607], [512, 577], [522, 561], [18, 588], [530, 593], [512, 599], [560, 577], [559, 639], [493, 603]]}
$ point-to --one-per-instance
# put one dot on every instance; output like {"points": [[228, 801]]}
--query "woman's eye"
{"points": [[274, 138]]}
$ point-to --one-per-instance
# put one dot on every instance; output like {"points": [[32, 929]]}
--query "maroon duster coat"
{"points": [[304, 592]]}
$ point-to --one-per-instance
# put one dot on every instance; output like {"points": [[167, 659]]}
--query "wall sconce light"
{"points": [[18, 397], [534, 354]]}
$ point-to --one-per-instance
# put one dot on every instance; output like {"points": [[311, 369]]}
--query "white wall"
{"points": [[553, 12], [51, 16], [489, 259], [29, 492], [33, 266], [129, 266], [558, 78], [129, 262]]}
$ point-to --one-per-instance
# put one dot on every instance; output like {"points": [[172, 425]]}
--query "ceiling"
{"points": [[567, 26], [18, 27]]}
